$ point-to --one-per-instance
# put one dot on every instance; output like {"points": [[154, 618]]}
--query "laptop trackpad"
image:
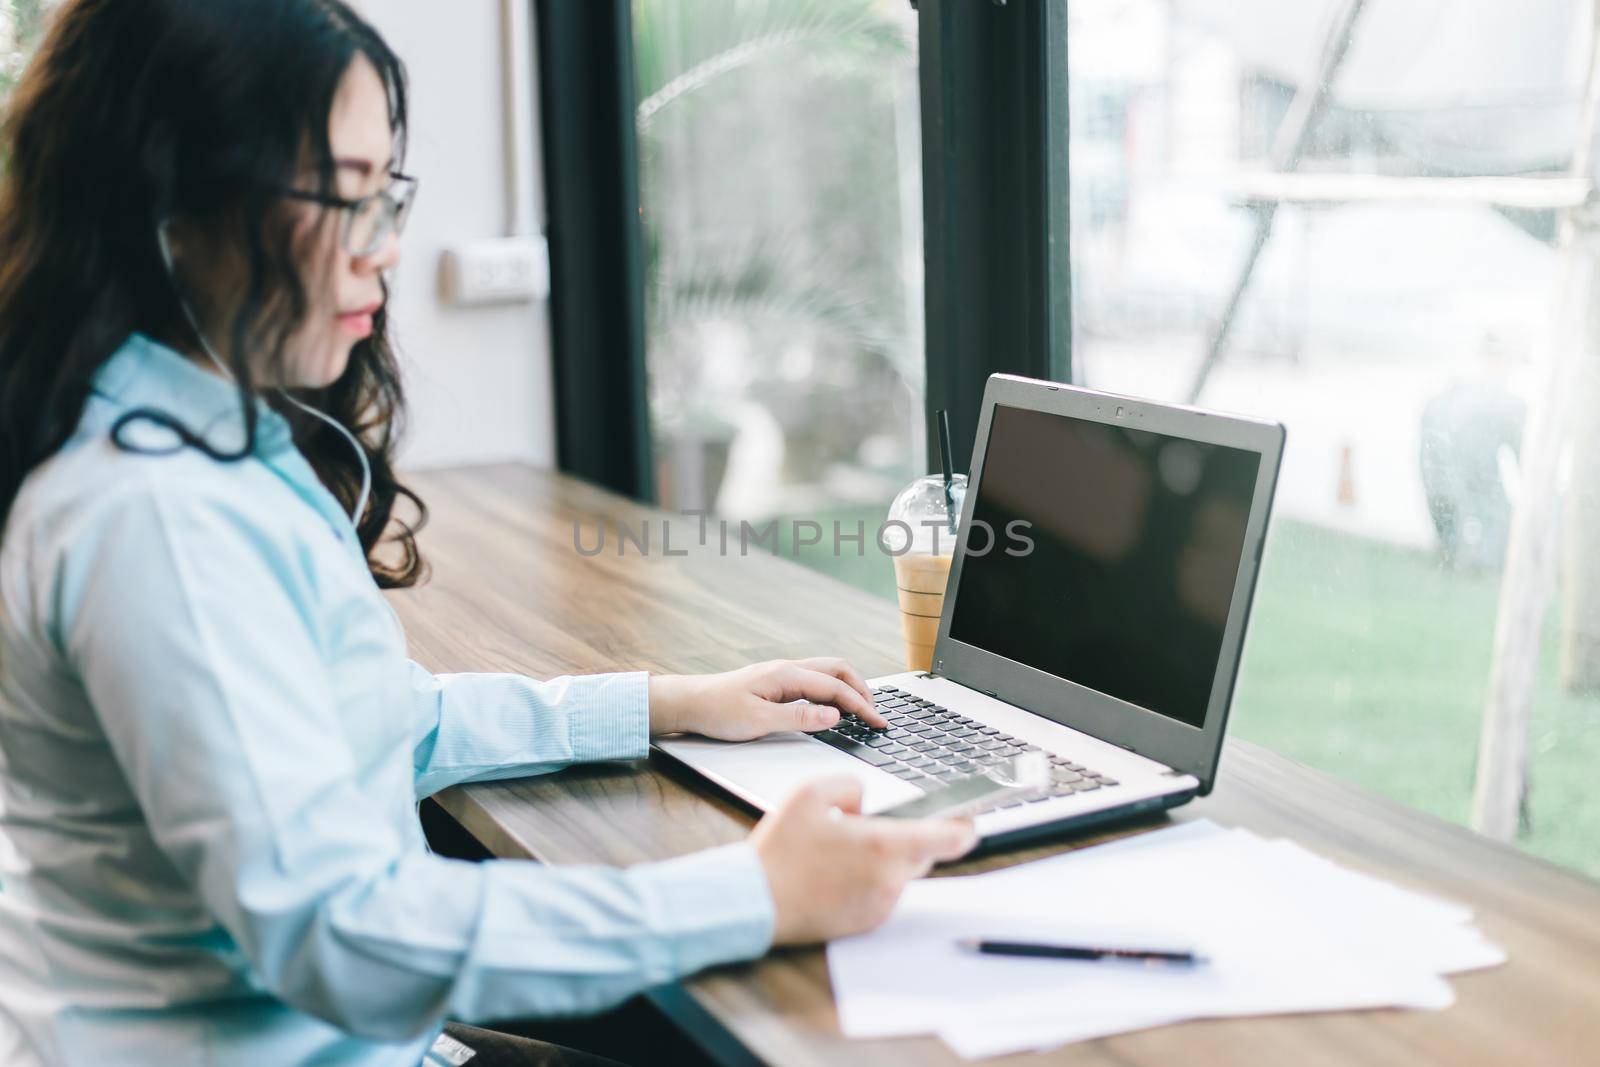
{"points": [[766, 771]]}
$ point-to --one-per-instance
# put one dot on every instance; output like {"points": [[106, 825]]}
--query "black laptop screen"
{"points": [[1136, 541]]}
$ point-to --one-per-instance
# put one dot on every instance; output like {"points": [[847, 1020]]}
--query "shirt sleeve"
{"points": [[479, 727], [184, 628]]}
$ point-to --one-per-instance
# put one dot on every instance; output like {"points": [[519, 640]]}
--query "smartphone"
{"points": [[1022, 773]]}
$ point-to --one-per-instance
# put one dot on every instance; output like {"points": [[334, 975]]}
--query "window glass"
{"points": [[1348, 218], [780, 180], [20, 24]]}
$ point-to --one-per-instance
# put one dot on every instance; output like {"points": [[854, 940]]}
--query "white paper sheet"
{"points": [[1286, 930], [981, 1039], [1438, 937]]}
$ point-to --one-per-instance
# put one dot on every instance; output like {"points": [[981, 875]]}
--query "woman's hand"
{"points": [[763, 698], [833, 872]]}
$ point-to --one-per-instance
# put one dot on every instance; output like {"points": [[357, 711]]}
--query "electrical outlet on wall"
{"points": [[498, 270]]}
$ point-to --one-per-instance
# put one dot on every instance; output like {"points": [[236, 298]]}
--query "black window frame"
{"points": [[998, 295], [996, 222], [586, 106]]}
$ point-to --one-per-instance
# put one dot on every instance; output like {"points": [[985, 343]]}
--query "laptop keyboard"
{"points": [[931, 746]]}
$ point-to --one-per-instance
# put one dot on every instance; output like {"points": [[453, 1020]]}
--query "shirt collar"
{"points": [[146, 373]]}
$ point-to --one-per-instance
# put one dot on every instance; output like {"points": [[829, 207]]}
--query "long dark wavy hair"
{"points": [[134, 112]]}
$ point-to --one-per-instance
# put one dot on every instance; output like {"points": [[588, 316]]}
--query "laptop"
{"points": [[1100, 620]]}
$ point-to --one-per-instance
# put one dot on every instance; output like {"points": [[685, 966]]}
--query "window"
{"points": [[780, 180], [20, 24], [1353, 218], [18, 20]]}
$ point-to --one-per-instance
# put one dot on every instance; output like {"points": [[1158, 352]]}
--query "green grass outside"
{"points": [[1370, 662]]}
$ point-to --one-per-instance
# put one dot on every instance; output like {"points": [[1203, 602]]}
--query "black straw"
{"points": [[944, 456]]}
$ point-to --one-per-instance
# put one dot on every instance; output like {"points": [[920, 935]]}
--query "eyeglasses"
{"points": [[369, 221]]}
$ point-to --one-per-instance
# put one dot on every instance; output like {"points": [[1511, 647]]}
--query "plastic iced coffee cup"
{"points": [[920, 578], [920, 536]]}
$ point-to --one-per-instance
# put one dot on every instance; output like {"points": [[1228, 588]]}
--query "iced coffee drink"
{"points": [[921, 539]]}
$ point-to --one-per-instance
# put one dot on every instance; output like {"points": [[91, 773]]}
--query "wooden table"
{"points": [[511, 593]]}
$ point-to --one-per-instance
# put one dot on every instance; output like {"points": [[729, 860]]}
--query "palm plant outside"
{"points": [[773, 149]]}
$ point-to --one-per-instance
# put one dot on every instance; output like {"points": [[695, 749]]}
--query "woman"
{"points": [[211, 740]]}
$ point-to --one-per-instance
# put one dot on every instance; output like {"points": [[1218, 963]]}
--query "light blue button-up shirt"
{"points": [[211, 748]]}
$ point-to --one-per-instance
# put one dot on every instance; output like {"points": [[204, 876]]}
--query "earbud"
{"points": [[164, 243]]}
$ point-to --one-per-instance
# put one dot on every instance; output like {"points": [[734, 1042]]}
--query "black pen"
{"points": [[1077, 952]]}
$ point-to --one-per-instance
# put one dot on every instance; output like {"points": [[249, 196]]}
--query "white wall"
{"points": [[478, 379]]}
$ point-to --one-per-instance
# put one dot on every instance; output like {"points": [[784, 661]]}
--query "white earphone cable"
{"points": [[194, 324]]}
